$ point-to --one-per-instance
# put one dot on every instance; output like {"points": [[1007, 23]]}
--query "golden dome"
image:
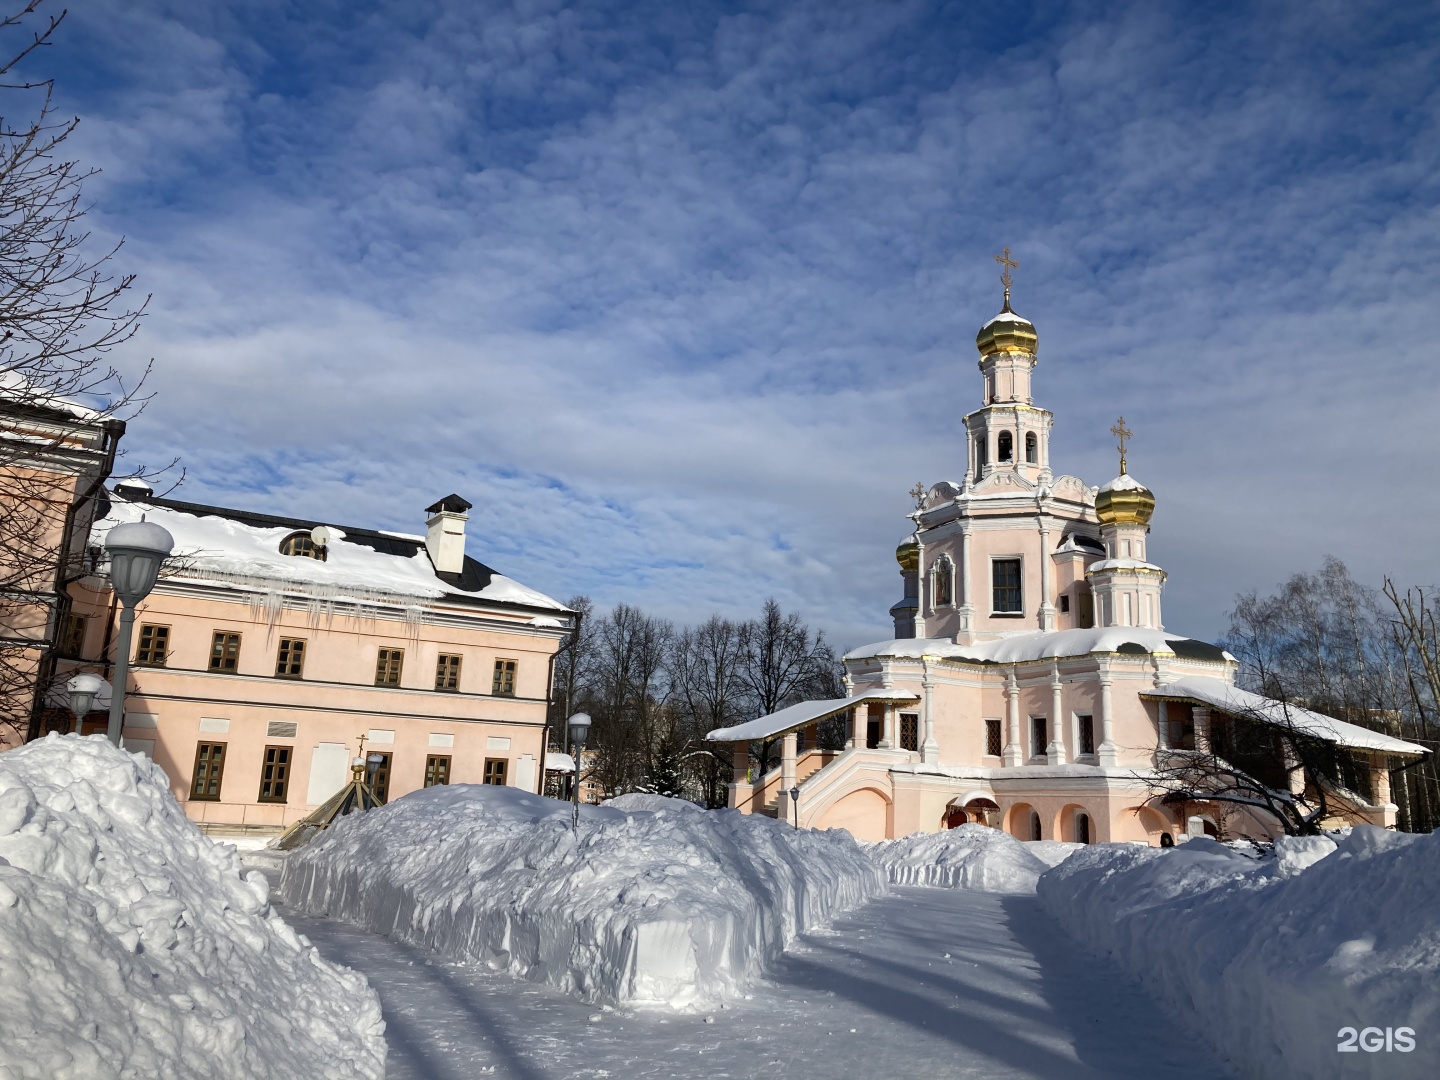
{"points": [[908, 556], [1125, 501], [1007, 332]]}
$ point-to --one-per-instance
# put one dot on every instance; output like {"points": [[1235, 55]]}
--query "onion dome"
{"points": [[1124, 501], [1007, 333], [908, 556]]}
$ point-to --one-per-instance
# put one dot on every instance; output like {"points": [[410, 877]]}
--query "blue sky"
{"points": [[683, 296]]}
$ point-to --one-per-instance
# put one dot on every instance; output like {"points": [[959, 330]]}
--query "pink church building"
{"points": [[1030, 683]]}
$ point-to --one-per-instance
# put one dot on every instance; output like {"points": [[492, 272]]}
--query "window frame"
{"points": [[1032, 448], [216, 642], [502, 771], [1039, 736], [73, 632], [996, 611], [309, 549], [943, 569], [379, 780], [436, 773], [1085, 734], [502, 674], [282, 662], [385, 655], [912, 722], [218, 767], [994, 736], [1001, 441], [160, 630], [276, 757], [442, 675]]}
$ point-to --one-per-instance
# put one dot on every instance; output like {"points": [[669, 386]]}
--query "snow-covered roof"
{"points": [[1231, 699], [555, 762], [1124, 482], [1123, 564], [15, 387], [1046, 644], [213, 543], [1008, 316], [798, 716]]}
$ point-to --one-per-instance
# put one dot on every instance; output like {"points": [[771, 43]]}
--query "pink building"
{"points": [[271, 647], [1031, 683]]}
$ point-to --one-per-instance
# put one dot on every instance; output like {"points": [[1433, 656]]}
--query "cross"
{"points": [[1005, 276], [918, 494], [1121, 432]]}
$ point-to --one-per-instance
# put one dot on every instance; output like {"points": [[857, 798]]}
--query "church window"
{"points": [[992, 738], [909, 731], [1082, 828], [300, 544], [1087, 734], [1005, 579], [944, 583], [1006, 450], [1035, 826], [1087, 610], [1125, 608], [979, 456], [1038, 726], [1032, 448], [1125, 549], [1065, 604]]}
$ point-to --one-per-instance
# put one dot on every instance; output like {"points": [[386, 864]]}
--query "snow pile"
{"points": [[968, 857], [130, 945], [670, 906], [640, 801], [1271, 958]]}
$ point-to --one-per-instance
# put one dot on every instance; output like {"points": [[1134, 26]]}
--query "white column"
{"points": [[967, 584], [1047, 608], [856, 735], [1379, 781], [1202, 729], [1014, 752], [1163, 725], [1106, 753], [887, 728], [929, 746], [1055, 752], [787, 766], [922, 590]]}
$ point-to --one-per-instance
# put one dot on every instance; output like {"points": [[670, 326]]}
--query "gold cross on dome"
{"points": [[1006, 278], [918, 494], [1121, 432]]}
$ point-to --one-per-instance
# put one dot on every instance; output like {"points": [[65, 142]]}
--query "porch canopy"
{"points": [[1220, 695], [802, 715]]}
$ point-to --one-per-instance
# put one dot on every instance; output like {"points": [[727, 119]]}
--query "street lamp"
{"points": [[795, 798], [83, 689], [137, 548], [579, 732]]}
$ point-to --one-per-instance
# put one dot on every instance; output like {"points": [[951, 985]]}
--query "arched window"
{"points": [[299, 543], [1034, 825], [1032, 448], [1082, 828], [979, 456], [1006, 447], [944, 582]]}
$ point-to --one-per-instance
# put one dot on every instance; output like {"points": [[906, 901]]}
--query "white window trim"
{"points": [[1020, 558], [934, 582]]}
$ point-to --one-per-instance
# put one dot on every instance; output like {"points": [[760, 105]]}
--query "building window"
{"points": [[447, 672], [275, 774], [1032, 448], [909, 731], [1087, 734], [380, 777], [209, 768], [224, 651], [300, 543], [387, 667], [1006, 447], [72, 636], [290, 661], [495, 770], [504, 682], [944, 576], [1087, 610], [1038, 738], [1082, 828], [1064, 604], [154, 645], [437, 770], [1034, 825], [992, 738], [979, 457], [1005, 576]]}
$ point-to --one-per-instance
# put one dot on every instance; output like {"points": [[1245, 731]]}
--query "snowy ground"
{"points": [[877, 994]]}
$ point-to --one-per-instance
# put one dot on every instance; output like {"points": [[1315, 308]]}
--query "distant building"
{"points": [[1031, 684], [271, 647]]}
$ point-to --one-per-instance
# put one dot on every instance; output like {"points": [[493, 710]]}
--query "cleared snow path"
{"points": [[1016, 999]]}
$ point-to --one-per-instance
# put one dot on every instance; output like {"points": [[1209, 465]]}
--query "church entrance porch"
{"points": [[976, 811]]}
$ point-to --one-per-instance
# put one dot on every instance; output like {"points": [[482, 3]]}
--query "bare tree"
{"points": [[62, 312], [782, 663], [707, 693], [1417, 640]]}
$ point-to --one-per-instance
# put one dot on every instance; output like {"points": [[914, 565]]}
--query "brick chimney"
{"points": [[445, 534]]}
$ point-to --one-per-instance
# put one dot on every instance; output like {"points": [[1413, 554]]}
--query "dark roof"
{"points": [[453, 504], [1191, 649]]}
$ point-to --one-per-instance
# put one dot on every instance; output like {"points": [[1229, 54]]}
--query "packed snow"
{"points": [[131, 945], [968, 857], [1272, 958], [653, 906], [1027, 646]]}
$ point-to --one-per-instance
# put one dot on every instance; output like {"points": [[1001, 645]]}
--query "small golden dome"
{"points": [[1125, 501], [1007, 332], [908, 556]]}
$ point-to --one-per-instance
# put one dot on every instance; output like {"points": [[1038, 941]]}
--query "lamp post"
{"points": [[579, 725], [82, 690], [795, 801], [137, 548]]}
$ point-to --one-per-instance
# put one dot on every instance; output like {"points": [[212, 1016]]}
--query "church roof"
{"points": [[1048, 644], [801, 715]]}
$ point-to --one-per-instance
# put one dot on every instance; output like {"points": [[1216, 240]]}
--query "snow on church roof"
{"points": [[1124, 482], [213, 543], [1231, 699], [798, 716], [1046, 644]]}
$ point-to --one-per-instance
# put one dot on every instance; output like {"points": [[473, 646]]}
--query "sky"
{"points": [[683, 297]]}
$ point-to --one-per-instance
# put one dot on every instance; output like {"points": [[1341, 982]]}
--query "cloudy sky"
{"points": [[683, 296]]}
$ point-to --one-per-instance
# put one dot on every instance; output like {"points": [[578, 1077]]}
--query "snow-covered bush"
{"points": [[131, 945], [969, 857], [1270, 958], [673, 906]]}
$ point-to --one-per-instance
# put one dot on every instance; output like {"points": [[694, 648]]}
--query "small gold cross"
{"points": [[1121, 432], [918, 494], [1009, 264]]}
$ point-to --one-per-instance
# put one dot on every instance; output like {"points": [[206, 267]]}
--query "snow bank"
{"points": [[130, 945], [1271, 958], [968, 857], [640, 801], [674, 906]]}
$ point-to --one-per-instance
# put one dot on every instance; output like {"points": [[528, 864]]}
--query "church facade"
{"points": [[1030, 684]]}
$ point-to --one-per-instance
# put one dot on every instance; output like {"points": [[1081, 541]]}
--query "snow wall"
{"points": [[131, 945], [668, 905], [973, 857], [1269, 959]]}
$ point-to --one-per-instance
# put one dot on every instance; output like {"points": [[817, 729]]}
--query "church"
{"points": [[1031, 684]]}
